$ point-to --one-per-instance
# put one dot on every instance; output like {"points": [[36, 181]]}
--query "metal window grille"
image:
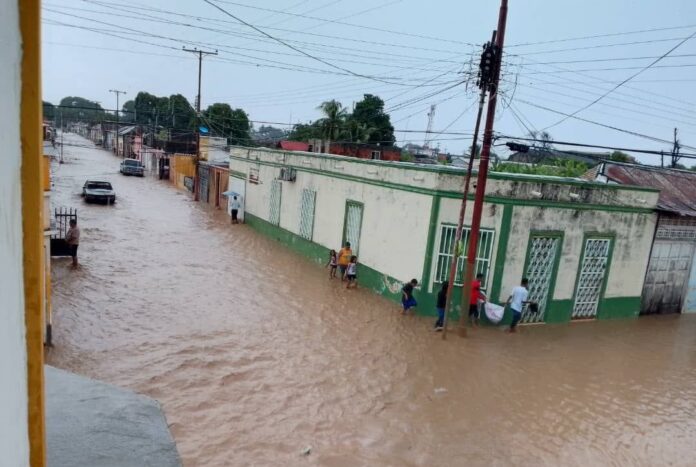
{"points": [[594, 266], [276, 190], [353, 225], [307, 213], [542, 259], [448, 235]]}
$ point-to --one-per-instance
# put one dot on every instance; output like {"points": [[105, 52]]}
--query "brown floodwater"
{"points": [[255, 354]]}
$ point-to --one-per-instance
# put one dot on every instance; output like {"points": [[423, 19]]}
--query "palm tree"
{"points": [[334, 116]]}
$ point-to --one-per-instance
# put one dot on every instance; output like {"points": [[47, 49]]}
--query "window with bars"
{"points": [[307, 213], [448, 234], [276, 190]]}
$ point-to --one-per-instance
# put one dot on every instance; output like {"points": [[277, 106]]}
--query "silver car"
{"points": [[94, 190], [132, 167]]}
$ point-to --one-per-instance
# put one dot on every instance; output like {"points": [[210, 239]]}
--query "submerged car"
{"points": [[132, 167], [99, 191]]}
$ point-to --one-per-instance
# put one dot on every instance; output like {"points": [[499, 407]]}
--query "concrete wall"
{"points": [[387, 215], [14, 442], [405, 207]]}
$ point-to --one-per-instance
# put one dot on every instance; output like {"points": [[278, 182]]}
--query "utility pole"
{"points": [[483, 167], [200, 54], [117, 92], [675, 151], [485, 74]]}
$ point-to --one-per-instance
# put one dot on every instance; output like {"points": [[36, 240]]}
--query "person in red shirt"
{"points": [[476, 295]]}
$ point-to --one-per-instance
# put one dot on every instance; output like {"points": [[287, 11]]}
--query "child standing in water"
{"points": [[352, 272], [332, 264]]}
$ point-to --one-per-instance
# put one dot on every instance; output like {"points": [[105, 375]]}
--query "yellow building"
{"points": [[23, 267]]}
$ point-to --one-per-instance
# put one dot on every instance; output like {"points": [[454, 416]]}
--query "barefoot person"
{"points": [[352, 273], [235, 206], [344, 256], [517, 299], [72, 238], [440, 306], [407, 299], [476, 295]]}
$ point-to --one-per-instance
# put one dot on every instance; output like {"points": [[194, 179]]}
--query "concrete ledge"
{"points": [[89, 423]]}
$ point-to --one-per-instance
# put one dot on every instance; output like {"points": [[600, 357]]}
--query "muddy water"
{"points": [[255, 354]]}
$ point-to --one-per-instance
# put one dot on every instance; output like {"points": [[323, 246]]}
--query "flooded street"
{"points": [[254, 354]]}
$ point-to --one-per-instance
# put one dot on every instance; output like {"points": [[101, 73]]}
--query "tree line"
{"points": [[162, 113], [366, 123]]}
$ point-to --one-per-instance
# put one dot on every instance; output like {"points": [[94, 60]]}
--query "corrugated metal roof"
{"points": [[293, 146], [677, 187]]}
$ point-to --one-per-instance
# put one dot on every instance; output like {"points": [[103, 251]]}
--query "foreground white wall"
{"points": [[14, 442]]}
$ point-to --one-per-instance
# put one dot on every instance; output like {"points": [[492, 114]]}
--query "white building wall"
{"points": [[633, 236], [14, 442], [395, 223]]}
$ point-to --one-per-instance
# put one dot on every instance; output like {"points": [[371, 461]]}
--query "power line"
{"points": [[613, 34], [342, 23], [296, 49], [654, 62]]}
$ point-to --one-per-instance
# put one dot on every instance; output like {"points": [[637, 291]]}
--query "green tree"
{"points": [[224, 121], [180, 114], [127, 114], [49, 111], [619, 156], [75, 108], [376, 124], [334, 118], [544, 139], [305, 132]]}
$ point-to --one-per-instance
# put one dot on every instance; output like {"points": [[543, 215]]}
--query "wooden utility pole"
{"points": [[117, 92], [483, 169], [200, 54], [462, 212]]}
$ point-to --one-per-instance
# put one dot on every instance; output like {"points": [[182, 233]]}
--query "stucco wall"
{"points": [[14, 443], [632, 234], [405, 207], [395, 223]]}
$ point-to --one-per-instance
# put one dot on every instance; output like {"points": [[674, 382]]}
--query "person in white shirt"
{"points": [[517, 299], [352, 272], [235, 206]]}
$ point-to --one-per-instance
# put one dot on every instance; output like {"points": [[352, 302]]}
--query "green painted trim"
{"points": [[458, 195], [559, 311], [443, 169], [620, 308], [430, 245], [554, 272], [611, 236], [501, 252], [368, 277], [350, 202], [237, 174]]}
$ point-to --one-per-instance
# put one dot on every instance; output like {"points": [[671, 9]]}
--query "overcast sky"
{"points": [[412, 53]]}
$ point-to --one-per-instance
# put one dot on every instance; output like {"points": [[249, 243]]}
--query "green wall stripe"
{"points": [[446, 170], [237, 174], [499, 268], [458, 195], [430, 245]]}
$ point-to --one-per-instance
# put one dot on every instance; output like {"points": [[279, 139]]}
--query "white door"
{"points": [[593, 270], [542, 254]]}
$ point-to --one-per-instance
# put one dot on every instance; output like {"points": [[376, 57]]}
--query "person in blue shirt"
{"points": [[407, 299]]}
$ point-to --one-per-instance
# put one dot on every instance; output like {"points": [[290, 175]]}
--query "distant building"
{"points": [[670, 282], [366, 151], [537, 155]]}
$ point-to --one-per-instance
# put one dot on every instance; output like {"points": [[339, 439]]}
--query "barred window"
{"points": [[448, 234], [274, 205]]}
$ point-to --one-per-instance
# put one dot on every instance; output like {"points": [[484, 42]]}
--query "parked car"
{"points": [[94, 190], [132, 167]]}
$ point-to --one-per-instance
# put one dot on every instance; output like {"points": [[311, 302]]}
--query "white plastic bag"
{"points": [[494, 312]]}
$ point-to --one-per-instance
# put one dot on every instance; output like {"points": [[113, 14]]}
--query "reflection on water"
{"points": [[255, 354]]}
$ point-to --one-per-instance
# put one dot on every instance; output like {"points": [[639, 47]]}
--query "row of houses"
{"points": [[619, 242], [615, 246]]}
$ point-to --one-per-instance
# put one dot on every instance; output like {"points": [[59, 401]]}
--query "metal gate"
{"points": [[307, 213], [540, 271], [353, 225], [203, 182], [276, 192], [593, 270], [59, 226], [668, 272]]}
